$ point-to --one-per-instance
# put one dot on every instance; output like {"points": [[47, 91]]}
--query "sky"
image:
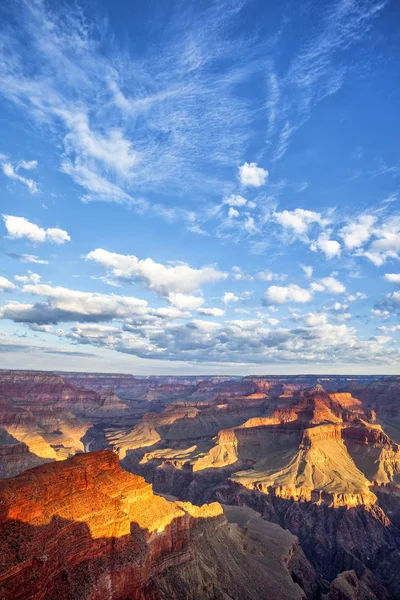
{"points": [[195, 187]]}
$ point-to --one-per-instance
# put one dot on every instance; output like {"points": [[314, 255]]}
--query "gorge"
{"points": [[258, 487]]}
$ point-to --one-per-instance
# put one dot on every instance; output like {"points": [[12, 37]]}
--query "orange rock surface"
{"points": [[75, 528]]}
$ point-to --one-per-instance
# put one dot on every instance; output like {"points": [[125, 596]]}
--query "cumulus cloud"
{"points": [[19, 227], [270, 276], [387, 244], [330, 248], [393, 277], [328, 284], [240, 275], [212, 312], [29, 278], [252, 175], [333, 285], [235, 200], [313, 319], [162, 279], [283, 294], [276, 295], [62, 304], [241, 341], [298, 221], [230, 297], [6, 285], [233, 213], [356, 296], [358, 232], [185, 301]]}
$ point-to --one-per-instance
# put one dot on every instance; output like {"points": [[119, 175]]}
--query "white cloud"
{"points": [[308, 271], [235, 200], [330, 248], [163, 279], [270, 276], [356, 296], [28, 258], [240, 275], [252, 175], [250, 225], [298, 221], [382, 339], [19, 227], [333, 285], [29, 278], [232, 213], [377, 312], [317, 287], [212, 312], [283, 294], [393, 277], [272, 321], [229, 297], [388, 243], [394, 298], [358, 232], [13, 172], [167, 312], [6, 285], [276, 295], [314, 319], [184, 301], [75, 82], [63, 304], [113, 149], [389, 328], [27, 164]]}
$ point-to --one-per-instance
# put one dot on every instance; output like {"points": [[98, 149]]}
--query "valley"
{"points": [[193, 487]]}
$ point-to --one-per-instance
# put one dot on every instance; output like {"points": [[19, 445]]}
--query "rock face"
{"points": [[317, 464], [32, 435], [85, 528], [382, 397], [44, 418]]}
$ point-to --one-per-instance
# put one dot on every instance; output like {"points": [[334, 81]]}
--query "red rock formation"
{"points": [[46, 389], [85, 515], [85, 529]]}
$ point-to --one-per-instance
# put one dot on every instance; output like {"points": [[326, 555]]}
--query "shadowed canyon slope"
{"points": [[300, 477]]}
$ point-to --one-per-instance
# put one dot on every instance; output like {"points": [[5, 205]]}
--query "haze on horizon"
{"points": [[200, 187]]}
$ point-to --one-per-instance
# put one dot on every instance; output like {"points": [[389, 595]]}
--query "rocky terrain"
{"points": [[85, 528], [306, 470]]}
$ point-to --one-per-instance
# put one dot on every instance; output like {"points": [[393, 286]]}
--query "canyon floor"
{"points": [[119, 487]]}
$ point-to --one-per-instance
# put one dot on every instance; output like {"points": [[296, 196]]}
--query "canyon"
{"points": [[115, 486]]}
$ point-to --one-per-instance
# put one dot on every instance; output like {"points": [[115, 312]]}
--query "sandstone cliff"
{"points": [[86, 529]]}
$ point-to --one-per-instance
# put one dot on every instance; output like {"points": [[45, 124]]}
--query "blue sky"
{"points": [[200, 187]]}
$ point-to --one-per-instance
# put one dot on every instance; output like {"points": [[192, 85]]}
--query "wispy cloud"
{"points": [[13, 171], [318, 69], [167, 121]]}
